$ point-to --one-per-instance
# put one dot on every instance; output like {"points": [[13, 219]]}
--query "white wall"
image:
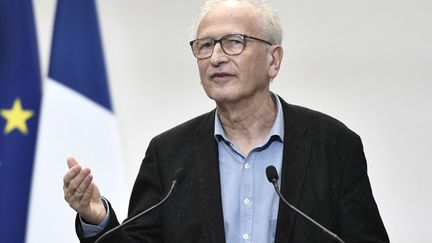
{"points": [[367, 63]]}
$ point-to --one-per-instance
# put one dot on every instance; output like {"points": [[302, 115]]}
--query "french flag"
{"points": [[77, 119]]}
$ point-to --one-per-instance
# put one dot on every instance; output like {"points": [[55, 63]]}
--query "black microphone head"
{"points": [[179, 175], [272, 174]]}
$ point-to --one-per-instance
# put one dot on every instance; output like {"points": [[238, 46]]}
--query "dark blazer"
{"points": [[323, 174]]}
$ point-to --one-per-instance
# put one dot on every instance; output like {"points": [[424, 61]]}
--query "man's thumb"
{"points": [[71, 162]]}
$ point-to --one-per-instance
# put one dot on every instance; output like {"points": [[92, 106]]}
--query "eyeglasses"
{"points": [[232, 44]]}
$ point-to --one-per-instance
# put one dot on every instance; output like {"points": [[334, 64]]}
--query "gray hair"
{"points": [[269, 18]]}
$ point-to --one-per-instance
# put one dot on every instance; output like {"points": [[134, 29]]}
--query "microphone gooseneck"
{"points": [[177, 178], [179, 175], [273, 177]]}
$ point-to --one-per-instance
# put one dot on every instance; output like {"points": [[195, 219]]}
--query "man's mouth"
{"points": [[220, 75]]}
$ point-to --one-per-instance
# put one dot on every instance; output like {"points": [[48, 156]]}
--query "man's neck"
{"points": [[248, 124]]}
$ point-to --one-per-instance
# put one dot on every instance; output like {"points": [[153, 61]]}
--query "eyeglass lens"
{"points": [[231, 45]]}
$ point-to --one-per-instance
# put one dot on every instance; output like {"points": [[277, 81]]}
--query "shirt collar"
{"points": [[276, 131]]}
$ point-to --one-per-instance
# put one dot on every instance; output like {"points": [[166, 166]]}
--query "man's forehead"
{"points": [[230, 17]]}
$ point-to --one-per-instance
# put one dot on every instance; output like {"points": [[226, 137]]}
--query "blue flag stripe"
{"points": [[76, 56], [20, 91]]}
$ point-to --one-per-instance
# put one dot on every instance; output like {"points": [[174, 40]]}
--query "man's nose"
{"points": [[218, 56]]}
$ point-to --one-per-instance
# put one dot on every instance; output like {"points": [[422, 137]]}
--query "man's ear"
{"points": [[275, 59]]}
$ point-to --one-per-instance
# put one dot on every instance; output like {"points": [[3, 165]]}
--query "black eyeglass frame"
{"points": [[243, 36]]}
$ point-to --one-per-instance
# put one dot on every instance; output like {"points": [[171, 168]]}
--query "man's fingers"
{"points": [[82, 188], [73, 187], [88, 194], [70, 175], [78, 198]]}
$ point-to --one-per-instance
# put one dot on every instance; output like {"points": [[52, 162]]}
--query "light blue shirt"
{"points": [[249, 202]]}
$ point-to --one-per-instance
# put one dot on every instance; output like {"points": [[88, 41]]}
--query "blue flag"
{"points": [[20, 95], [77, 59]]}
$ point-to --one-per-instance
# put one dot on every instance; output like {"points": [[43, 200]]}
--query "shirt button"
{"points": [[246, 165], [245, 236], [246, 201]]}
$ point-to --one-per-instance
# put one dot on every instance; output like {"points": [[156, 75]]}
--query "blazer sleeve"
{"points": [[358, 214], [147, 191], [112, 222]]}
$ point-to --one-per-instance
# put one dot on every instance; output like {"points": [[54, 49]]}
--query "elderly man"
{"points": [[225, 195]]}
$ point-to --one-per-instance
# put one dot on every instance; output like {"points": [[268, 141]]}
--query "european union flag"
{"points": [[20, 95]]}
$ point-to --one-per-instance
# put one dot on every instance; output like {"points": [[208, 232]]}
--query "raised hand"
{"points": [[82, 194]]}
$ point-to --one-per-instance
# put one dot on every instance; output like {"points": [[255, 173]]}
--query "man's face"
{"points": [[234, 79]]}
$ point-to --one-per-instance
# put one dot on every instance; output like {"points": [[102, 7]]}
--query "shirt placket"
{"points": [[246, 200]]}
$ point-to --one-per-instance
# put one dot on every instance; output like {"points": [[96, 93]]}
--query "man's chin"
{"points": [[224, 100], [224, 96]]}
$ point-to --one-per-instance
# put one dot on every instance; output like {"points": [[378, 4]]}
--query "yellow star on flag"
{"points": [[16, 117]]}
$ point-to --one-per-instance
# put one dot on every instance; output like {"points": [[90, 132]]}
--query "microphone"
{"points": [[273, 177], [177, 178]]}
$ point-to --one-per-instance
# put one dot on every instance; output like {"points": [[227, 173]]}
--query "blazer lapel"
{"points": [[295, 162], [210, 191]]}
